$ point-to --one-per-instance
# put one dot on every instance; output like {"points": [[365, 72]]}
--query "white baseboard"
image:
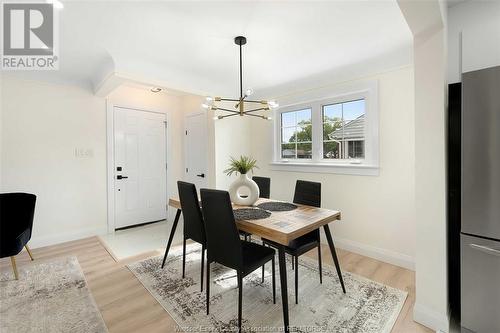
{"points": [[42, 241], [430, 318], [384, 255]]}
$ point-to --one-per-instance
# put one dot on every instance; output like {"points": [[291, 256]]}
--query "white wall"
{"points": [[427, 20], [232, 138], [42, 124], [378, 212], [478, 22]]}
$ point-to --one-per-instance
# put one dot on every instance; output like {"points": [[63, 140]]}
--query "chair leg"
{"points": [[296, 279], [183, 258], [240, 299], [29, 252], [208, 284], [263, 272], [14, 267], [292, 262], [202, 265], [274, 282], [319, 262]]}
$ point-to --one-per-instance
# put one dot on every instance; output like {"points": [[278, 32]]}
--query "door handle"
{"points": [[121, 177], [485, 249], [202, 175]]}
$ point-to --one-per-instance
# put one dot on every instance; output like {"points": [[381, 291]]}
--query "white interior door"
{"points": [[140, 167], [196, 150]]}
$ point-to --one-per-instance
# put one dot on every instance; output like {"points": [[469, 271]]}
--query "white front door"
{"points": [[196, 150], [140, 167]]}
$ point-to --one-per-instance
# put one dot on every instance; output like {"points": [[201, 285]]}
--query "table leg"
{"points": [[172, 232], [334, 255], [284, 290]]}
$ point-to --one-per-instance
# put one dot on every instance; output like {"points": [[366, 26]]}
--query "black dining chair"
{"points": [[225, 246], [306, 193], [194, 227], [16, 222], [264, 184]]}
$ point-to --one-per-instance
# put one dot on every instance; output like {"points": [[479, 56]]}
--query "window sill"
{"points": [[318, 167]]}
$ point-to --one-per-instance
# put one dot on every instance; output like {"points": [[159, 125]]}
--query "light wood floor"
{"points": [[127, 306]]}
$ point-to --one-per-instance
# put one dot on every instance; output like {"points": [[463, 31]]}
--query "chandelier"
{"points": [[242, 106]]}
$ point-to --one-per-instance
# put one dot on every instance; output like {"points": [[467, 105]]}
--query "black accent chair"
{"points": [[264, 184], [16, 222], [225, 246], [194, 227], [306, 193]]}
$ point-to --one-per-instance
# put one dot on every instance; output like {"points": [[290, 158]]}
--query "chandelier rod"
{"points": [[241, 74]]}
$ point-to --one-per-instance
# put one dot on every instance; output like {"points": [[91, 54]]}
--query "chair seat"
{"points": [[299, 245], [255, 255]]}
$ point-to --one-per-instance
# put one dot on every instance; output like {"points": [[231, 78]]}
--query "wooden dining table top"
{"points": [[282, 227]]}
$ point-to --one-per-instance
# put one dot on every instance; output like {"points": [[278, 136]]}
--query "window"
{"points": [[334, 135], [344, 130], [296, 134]]}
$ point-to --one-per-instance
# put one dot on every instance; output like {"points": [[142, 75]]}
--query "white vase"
{"points": [[253, 188]]}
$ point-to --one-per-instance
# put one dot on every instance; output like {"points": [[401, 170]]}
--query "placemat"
{"points": [[277, 206], [250, 214]]}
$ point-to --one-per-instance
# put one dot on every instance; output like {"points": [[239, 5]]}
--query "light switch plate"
{"points": [[84, 153]]}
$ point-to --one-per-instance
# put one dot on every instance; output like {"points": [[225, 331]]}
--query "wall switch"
{"points": [[84, 153]]}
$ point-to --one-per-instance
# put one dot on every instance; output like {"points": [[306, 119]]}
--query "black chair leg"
{"points": [[296, 279], [274, 282], [319, 262], [183, 258], [240, 297], [208, 284], [292, 262], [202, 265], [263, 273]]}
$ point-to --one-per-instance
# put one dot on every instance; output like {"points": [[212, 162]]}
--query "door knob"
{"points": [[202, 175], [121, 177]]}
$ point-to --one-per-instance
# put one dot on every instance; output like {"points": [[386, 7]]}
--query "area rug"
{"points": [[49, 296], [367, 306]]}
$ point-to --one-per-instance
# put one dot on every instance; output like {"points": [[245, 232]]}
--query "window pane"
{"points": [[331, 150], [304, 117], [304, 133], [332, 130], [354, 109], [356, 149], [288, 119], [288, 134], [332, 112], [288, 150], [304, 150]]}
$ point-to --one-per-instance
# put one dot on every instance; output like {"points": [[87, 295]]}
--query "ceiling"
{"points": [[188, 46]]}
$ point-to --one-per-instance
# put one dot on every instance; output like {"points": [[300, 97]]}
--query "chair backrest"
{"points": [[16, 214], [307, 193], [194, 227], [223, 240], [264, 184]]}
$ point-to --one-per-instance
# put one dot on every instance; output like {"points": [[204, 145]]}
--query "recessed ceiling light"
{"points": [[156, 89]]}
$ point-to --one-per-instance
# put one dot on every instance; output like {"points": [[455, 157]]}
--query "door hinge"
{"points": [[186, 132]]}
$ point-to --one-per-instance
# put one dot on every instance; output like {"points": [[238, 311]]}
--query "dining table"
{"points": [[280, 227]]}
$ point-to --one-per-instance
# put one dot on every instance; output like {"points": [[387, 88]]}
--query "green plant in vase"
{"points": [[243, 166]]}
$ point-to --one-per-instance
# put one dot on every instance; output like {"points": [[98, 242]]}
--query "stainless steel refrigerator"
{"points": [[480, 201]]}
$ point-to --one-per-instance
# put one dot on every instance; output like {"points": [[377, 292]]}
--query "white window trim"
{"points": [[368, 166]]}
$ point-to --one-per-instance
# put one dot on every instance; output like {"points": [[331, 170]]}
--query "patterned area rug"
{"points": [[367, 307], [49, 296]]}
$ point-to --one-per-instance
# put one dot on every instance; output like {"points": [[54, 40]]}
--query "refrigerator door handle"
{"points": [[485, 249]]}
